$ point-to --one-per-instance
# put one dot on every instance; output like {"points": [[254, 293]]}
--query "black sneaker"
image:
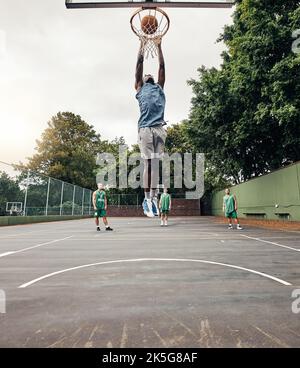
{"points": [[108, 228], [98, 228]]}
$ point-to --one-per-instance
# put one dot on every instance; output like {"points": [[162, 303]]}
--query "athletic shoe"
{"points": [[161, 223], [108, 228], [230, 227], [239, 227], [155, 209], [98, 228], [166, 224], [147, 207]]}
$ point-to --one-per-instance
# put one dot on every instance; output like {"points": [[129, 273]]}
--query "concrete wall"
{"points": [[18, 220], [257, 197]]}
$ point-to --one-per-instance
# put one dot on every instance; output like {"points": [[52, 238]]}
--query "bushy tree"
{"points": [[245, 116]]}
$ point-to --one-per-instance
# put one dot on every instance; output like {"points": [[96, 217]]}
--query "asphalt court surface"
{"points": [[192, 284]]}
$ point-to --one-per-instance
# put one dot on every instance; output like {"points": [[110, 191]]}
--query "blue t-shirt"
{"points": [[152, 101]]}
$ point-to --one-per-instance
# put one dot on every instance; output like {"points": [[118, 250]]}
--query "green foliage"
{"points": [[9, 192], [67, 150], [245, 117]]}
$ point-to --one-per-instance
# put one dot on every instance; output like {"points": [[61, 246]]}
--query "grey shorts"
{"points": [[152, 141]]}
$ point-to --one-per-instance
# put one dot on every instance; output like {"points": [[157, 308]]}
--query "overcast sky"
{"points": [[53, 59]]}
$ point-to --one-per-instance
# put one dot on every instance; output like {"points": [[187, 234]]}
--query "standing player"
{"points": [[152, 135], [165, 207], [230, 209], [100, 207]]}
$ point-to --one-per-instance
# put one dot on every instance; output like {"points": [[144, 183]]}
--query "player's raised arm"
{"points": [[139, 69], [161, 70]]}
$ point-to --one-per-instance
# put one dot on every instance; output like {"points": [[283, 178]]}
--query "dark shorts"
{"points": [[100, 213], [165, 212], [232, 215]]}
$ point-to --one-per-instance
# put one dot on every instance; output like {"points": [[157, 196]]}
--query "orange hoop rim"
{"points": [[153, 35]]}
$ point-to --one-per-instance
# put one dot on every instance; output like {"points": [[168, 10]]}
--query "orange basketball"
{"points": [[149, 24]]}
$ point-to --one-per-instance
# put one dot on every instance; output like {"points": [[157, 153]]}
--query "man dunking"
{"points": [[152, 135]]}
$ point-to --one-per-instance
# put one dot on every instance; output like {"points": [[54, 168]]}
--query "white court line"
{"points": [[155, 260], [34, 246], [269, 242]]}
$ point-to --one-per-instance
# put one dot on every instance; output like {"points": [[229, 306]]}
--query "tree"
{"points": [[245, 117], [67, 150]]}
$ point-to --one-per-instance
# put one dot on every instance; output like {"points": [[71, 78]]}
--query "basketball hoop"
{"points": [[150, 33]]}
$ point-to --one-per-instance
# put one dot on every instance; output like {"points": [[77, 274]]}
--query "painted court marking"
{"points": [[154, 260], [34, 246], [273, 243]]}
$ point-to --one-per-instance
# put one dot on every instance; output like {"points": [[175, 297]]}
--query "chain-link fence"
{"points": [[24, 192], [27, 193]]}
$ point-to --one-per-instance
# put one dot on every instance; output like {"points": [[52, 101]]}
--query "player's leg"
{"points": [[162, 216], [146, 148], [159, 140], [236, 220], [97, 220], [229, 218], [166, 218], [107, 227], [154, 184]]}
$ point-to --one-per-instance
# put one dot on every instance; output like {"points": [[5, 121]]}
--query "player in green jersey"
{"points": [[100, 207], [165, 207], [230, 209]]}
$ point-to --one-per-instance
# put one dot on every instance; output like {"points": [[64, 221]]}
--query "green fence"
{"points": [[275, 196]]}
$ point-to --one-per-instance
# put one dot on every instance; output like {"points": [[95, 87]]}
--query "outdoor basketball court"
{"points": [[192, 284]]}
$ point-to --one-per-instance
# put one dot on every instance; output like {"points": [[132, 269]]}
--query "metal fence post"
{"points": [[73, 200], [82, 202], [47, 200], [26, 191], [61, 197], [90, 200]]}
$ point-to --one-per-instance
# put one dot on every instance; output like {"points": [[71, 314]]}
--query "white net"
{"points": [[150, 25]]}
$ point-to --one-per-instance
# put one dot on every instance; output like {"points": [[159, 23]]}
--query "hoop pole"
{"points": [[90, 200], [47, 200], [61, 198], [82, 202], [73, 200], [26, 191]]}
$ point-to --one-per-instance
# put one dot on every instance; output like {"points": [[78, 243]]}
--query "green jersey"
{"points": [[165, 201], [229, 203], [100, 199]]}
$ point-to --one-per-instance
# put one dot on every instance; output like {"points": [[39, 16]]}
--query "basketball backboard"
{"points": [[81, 4]]}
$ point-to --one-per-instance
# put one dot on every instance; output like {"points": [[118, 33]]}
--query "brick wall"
{"points": [[180, 207]]}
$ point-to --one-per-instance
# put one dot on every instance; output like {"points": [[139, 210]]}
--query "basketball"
{"points": [[149, 24]]}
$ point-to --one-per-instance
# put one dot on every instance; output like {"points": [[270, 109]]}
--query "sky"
{"points": [[53, 59]]}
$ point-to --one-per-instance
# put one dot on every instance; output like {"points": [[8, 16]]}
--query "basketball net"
{"points": [[150, 40]]}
